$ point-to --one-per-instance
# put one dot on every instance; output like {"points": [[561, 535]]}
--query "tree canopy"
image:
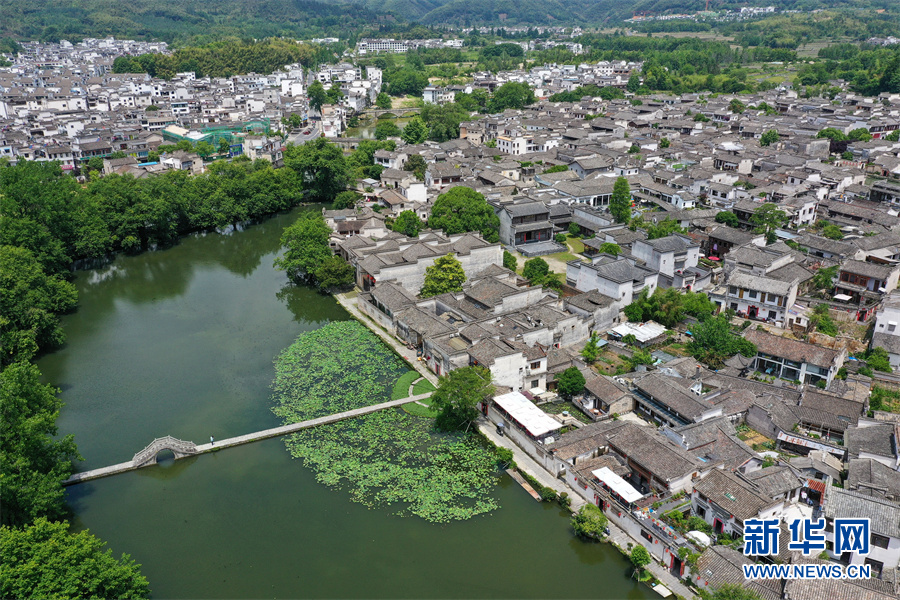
{"points": [[769, 137], [445, 275], [570, 382], [29, 305], [767, 219], [415, 131], [317, 95], [728, 218], [457, 395], [33, 464], [462, 209], [511, 95], [321, 166], [407, 223], [44, 560], [590, 523], [308, 258], [620, 201], [713, 342], [509, 261]]}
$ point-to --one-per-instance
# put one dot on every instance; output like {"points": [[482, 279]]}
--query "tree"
{"points": [[462, 209], [224, 146], [509, 261], [570, 382], [383, 101], [511, 95], [610, 248], [728, 218], [334, 273], [417, 165], [95, 163], [713, 342], [386, 129], [860, 134], [457, 396], [535, 269], [733, 591], [823, 280], [445, 275], [835, 135], [574, 228], [44, 560], [767, 219], [33, 465], [407, 223], [321, 166], [769, 138], [346, 200], [590, 523], [667, 309], [822, 321], [832, 232], [893, 136], [318, 97], [878, 359], [664, 143], [634, 149], [620, 201], [634, 82], [736, 106], [591, 349], [204, 149], [556, 169], [29, 303], [664, 228], [640, 557], [415, 132], [307, 247], [406, 81]]}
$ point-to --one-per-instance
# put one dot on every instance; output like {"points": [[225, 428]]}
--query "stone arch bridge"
{"points": [[179, 448], [387, 113]]}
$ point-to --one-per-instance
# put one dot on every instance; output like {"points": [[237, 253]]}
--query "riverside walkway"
{"points": [[182, 449]]}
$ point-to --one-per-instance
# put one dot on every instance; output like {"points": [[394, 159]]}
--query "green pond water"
{"points": [[181, 342]]}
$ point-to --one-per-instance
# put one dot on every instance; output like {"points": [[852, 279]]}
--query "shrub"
{"points": [[590, 523]]}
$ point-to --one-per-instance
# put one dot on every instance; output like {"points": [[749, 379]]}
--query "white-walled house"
{"points": [[668, 254], [884, 520]]}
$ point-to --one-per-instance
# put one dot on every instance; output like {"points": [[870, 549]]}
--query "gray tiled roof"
{"points": [[883, 515], [835, 589], [736, 496], [874, 439], [791, 349], [768, 285], [653, 451], [667, 391], [872, 478], [720, 565], [868, 269], [776, 480]]}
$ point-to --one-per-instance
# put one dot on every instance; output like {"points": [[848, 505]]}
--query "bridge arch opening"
{"points": [[165, 457]]}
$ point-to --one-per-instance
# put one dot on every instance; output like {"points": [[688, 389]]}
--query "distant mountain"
{"points": [[171, 20], [206, 20]]}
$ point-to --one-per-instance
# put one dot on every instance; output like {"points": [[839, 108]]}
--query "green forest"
{"points": [[191, 21], [178, 22], [225, 58]]}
